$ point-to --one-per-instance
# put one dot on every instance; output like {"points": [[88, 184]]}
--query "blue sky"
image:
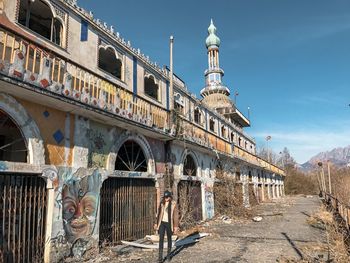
{"points": [[288, 59]]}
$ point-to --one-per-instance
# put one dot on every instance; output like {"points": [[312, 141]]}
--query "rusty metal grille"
{"points": [[23, 202], [128, 208]]}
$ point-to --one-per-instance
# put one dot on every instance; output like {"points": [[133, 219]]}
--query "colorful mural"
{"points": [[75, 225], [80, 203]]}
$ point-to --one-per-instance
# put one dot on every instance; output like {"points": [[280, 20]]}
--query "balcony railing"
{"points": [[26, 61], [198, 135]]}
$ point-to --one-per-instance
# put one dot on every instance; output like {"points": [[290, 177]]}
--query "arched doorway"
{"points": [[128, 205], [13, 146], [23, 197], [189, 194]]}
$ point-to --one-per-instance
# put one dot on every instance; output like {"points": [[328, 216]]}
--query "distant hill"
{"points": [[339, 157]]}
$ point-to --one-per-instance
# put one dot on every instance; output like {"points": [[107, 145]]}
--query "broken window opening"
{"points": [[131, 158], [212, 125], [238, 176], [108, 61], [232, 137], [190, 167], [38, 16], [197, 116], [13, 147], [223, 131], [179, 108], [151, 87]]}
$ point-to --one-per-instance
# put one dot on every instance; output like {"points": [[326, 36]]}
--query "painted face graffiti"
{"points": [[80, 203]]}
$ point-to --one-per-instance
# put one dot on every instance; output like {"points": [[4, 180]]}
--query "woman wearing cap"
{"points": [[165, 223]]}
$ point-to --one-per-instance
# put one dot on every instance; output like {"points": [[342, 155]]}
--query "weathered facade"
{"points": [[92, 132]]}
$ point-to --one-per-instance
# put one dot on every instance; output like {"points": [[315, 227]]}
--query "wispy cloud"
{"points": [[314, 28], [304, 143]]}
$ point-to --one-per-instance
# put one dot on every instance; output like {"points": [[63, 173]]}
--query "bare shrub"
{"points": [[297, 182], [253, 199], [189, 204], [228, 196]]}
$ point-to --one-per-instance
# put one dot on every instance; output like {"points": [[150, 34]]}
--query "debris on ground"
{"points": [[257, 218], [226, 219], [155, 238], [154, 244]]}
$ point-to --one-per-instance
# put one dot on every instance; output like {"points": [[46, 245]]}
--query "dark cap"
{"points": [[167, 193]]}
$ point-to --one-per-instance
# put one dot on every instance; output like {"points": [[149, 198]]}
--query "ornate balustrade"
{"points": [[26, 61]]}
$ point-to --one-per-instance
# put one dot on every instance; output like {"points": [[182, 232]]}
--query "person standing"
{"points": [[166, 223]]}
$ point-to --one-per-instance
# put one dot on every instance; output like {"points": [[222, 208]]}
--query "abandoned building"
{"points": [[92, 132]]}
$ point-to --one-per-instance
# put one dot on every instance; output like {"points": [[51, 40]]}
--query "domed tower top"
{"points": [[215, 94], [212, 39], [214, 74]]}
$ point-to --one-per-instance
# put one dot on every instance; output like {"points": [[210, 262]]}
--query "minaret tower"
{"points": [[215, 94]]}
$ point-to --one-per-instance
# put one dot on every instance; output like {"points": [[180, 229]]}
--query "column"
{"points": [[245, 189]]}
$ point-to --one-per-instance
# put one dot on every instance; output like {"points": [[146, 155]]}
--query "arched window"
{"points": [[190, 167], [151, 87], [57, 31], [108, 62], [232, 137], [197, 116], [12, 144], [131, 158], [223, 131], [38, 16], [212, 125], [240, 141]]}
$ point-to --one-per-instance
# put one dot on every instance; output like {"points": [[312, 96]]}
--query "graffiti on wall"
{"points": [[209, 201], [80, 202], [75, 227]]}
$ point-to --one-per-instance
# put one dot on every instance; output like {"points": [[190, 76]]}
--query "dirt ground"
{"points": [[283, 235]]}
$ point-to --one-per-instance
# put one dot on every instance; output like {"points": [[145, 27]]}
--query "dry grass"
{"points": [[337, 247]]}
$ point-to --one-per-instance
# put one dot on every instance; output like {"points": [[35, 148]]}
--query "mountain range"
{"points": [[340, 157]]}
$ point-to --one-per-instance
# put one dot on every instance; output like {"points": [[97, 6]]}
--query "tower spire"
{"points": [[214, 74]]}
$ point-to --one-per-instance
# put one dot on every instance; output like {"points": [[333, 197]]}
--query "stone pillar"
{"points": [[269, 194], [262, 191], [280, 186], [245, 189]]}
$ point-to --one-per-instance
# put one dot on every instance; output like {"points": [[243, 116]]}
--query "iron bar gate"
{"points": [[23, 203], [128, 209]]}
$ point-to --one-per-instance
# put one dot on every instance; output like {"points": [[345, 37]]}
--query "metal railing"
{"points": [[338, 207], [25, 60]]}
